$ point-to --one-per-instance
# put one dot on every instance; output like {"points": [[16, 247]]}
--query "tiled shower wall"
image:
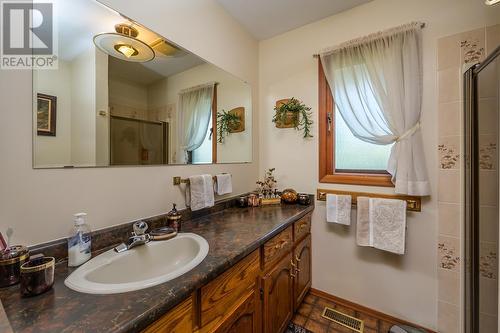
{"points": [[455, 54]]}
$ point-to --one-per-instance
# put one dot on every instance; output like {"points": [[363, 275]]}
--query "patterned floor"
{"points": [[309, 317]]}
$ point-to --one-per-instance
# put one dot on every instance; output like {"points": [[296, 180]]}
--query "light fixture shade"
{"points": [[106, 42], [491, 2]]}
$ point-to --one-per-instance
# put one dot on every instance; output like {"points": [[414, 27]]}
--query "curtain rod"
{"points": [[203, 85], [422, 25]]}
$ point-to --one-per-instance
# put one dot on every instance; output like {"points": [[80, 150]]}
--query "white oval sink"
{"points": [[140, 267]]}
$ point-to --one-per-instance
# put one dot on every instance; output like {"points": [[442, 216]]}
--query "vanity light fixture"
{"points": [[127, 50], [123, 44], [491, 2]]}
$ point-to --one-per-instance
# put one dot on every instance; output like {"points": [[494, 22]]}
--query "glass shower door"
{"points": [[138, 142], [482, 84]]}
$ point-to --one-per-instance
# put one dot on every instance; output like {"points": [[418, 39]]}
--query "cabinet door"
{"points": [[278, 299], [302, 280], [245, 319]]}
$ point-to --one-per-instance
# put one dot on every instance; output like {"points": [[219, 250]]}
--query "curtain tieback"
{"points": [[408, 133]]}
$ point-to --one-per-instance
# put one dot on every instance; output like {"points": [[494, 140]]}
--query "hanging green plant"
{"points": [[226, 122], [297, 113]]}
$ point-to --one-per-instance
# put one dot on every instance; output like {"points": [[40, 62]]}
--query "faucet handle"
{"points": [[140, 228]]}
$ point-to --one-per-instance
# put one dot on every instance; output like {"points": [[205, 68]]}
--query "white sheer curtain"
{"points": [[376, 84], [195, 110]]}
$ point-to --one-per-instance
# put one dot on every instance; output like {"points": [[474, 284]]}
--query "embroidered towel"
{"points": [[381, 224], [224, 184], [338, 209], [201, 192]]}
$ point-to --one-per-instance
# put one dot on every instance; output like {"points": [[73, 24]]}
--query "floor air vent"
{"points": [[343, 319]]}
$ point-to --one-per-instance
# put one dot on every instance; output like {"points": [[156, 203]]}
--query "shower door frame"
{"points": [[471, 193]]}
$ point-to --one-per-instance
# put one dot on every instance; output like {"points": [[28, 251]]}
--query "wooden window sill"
{"points": [[358, 179]]}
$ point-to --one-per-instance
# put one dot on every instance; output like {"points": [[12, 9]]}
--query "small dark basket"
{"points": [[37, 276]]}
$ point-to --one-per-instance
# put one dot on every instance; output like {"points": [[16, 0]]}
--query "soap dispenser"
{"points": [[79, 241], [174, 219]]}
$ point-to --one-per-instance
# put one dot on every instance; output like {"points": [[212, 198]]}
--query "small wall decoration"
{"points": [[292, 113], [227, 121], [46, 115]]}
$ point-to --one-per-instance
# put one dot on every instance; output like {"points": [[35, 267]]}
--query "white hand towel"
{"points": [[224, 184], [363, 222], [338, 209], [201, 189], [382, 224]]}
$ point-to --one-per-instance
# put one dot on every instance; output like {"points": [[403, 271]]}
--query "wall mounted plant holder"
{"points": [[291, 117], [227, 121], [292, 113], [240, 113]]}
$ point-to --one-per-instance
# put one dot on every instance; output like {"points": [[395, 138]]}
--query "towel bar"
{"points": [[413, 203], [178, 180]]}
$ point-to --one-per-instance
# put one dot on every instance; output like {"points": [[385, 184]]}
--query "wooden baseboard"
{"points": [[364, 309]]}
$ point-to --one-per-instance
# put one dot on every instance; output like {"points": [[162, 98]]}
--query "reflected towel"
{"points": [[381, 223], [201, 190], [224, 184], [338, 209]]}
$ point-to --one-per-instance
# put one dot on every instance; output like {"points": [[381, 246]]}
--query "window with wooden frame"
{"points": [[343, 158], [210, 142]]}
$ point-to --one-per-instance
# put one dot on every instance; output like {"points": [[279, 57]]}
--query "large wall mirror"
{"points": [[124, 95]]}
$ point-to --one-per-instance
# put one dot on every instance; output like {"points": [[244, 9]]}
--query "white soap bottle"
{"points": [[79, 241]]}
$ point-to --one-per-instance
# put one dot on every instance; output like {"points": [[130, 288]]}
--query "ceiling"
{"points": [[80, 20], [267, 18]]}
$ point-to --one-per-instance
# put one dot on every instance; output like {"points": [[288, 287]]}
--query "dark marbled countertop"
{"points": [[232, 234]]}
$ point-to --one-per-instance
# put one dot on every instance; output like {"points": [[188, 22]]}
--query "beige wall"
{"points": [[39, 204], [405, 286]]}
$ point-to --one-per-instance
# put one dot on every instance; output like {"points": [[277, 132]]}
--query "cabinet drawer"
{"points": [[278, 246], [302, 228], [177, 320], [220, 295], [244, 319]]}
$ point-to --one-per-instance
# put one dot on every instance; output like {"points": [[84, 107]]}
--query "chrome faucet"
{"points": [[139, 237]]}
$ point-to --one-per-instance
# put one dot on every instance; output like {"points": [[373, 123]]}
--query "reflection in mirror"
{"points": [[123, 95]]}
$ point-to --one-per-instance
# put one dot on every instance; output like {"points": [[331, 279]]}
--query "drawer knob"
{"points": [[280, 245], [302, 225]]}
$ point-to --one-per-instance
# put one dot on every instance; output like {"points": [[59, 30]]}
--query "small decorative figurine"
{"points": [[266, 189], [268, 183]]}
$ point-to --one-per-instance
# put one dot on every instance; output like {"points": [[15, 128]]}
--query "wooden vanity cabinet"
{"points": [[258, 294]]}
